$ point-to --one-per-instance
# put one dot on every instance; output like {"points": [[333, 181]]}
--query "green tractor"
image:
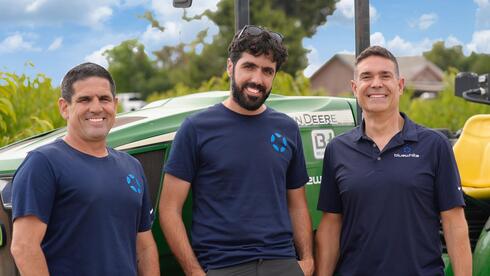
{"points": [[147, 134], [472, 152]]}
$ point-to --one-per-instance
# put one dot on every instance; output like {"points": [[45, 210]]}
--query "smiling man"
{"points": [[245, 164], [74, 211], [386, 186]]}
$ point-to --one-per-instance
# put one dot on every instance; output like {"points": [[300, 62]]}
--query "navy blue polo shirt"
{"points": [[390, 200]]}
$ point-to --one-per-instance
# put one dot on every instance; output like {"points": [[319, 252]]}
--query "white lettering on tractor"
{"points": [[319, 141], [317, 179], [329, 118]]}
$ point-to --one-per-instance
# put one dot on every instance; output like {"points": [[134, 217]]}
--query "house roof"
{"points": [[409, 66]]}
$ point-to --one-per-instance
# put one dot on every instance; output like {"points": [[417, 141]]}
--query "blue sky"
{"points": [[55, 35]]}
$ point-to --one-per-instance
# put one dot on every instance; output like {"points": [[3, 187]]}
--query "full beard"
{"points": [[248, 102]]}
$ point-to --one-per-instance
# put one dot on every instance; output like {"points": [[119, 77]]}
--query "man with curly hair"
{"points": [[250, 215]]}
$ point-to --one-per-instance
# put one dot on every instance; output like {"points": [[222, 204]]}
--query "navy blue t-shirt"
{"points": [[390, 201], [240, 168], [93, 207]]}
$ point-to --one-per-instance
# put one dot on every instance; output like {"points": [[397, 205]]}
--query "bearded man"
{"points": [[250, 215]]}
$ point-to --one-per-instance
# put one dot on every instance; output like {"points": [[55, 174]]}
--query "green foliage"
{"points": [[133, 71], [298, 85], [453, 57], [445, 111], [28, 106], [180, 89], [284, 84], [478, 63], [295, 19], [187, 66]]}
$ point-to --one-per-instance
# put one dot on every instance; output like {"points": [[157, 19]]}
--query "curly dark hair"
{"points": [[265, 42], [81, 72]]}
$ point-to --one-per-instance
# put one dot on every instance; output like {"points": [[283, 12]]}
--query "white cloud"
{"points": [[482, 14], [17, 42], [98, 56], [344, 12], [480, 42], [56, 44], [99, 15], [345, 8], [377, 39], [373, 13], [400, 47], [133, 3], [154, 35], [313, 61], [55, 12], [481, 3], [34, 6], [452, 41], [424, 21], [176, 32]]}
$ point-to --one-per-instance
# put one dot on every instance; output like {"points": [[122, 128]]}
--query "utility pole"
{"points": [[242, 14], [361, 11]]}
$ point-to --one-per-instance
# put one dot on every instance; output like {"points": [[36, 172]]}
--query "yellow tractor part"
{"points": [[472, 152]]}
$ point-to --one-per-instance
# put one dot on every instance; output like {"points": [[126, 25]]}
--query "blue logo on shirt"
{"points": [[407, 149], [279, 142], [406, 152], [133, 183]]}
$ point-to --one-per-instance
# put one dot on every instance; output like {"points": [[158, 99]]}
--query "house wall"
{"points": [[333, 79]]}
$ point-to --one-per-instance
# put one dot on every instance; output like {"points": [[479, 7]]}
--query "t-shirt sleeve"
{"points": [[182, 162], [147, 213], [297, 176], [34, 188], [329, 198], [449, 193]]}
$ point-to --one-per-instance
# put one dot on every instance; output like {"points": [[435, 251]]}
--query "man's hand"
{"points": [[172, 198], [308, 266], [455, 231], [302, 232], [28, 233]]}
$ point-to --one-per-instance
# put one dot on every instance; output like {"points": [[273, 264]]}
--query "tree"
{"points": [[28, 106], [133, 71], [453, 57], [445, 111], [446, 57], [295, 19], [183, 64], [284, 84], [478, 63]]}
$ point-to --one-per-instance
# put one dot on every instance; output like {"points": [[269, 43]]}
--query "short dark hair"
{"points": [[256, 45], [379, 52], [81, 72]]}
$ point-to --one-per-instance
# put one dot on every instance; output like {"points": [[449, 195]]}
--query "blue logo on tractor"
{"points": [[279, 142], [133, 183]]}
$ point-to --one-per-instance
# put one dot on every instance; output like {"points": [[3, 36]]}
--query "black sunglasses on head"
{"points": [[255, 30]]}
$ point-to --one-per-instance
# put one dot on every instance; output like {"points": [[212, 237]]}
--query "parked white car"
{"points": [[130, 101]]}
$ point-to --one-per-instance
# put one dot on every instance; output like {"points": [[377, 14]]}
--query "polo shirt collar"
{"points": [[408, 133]]}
